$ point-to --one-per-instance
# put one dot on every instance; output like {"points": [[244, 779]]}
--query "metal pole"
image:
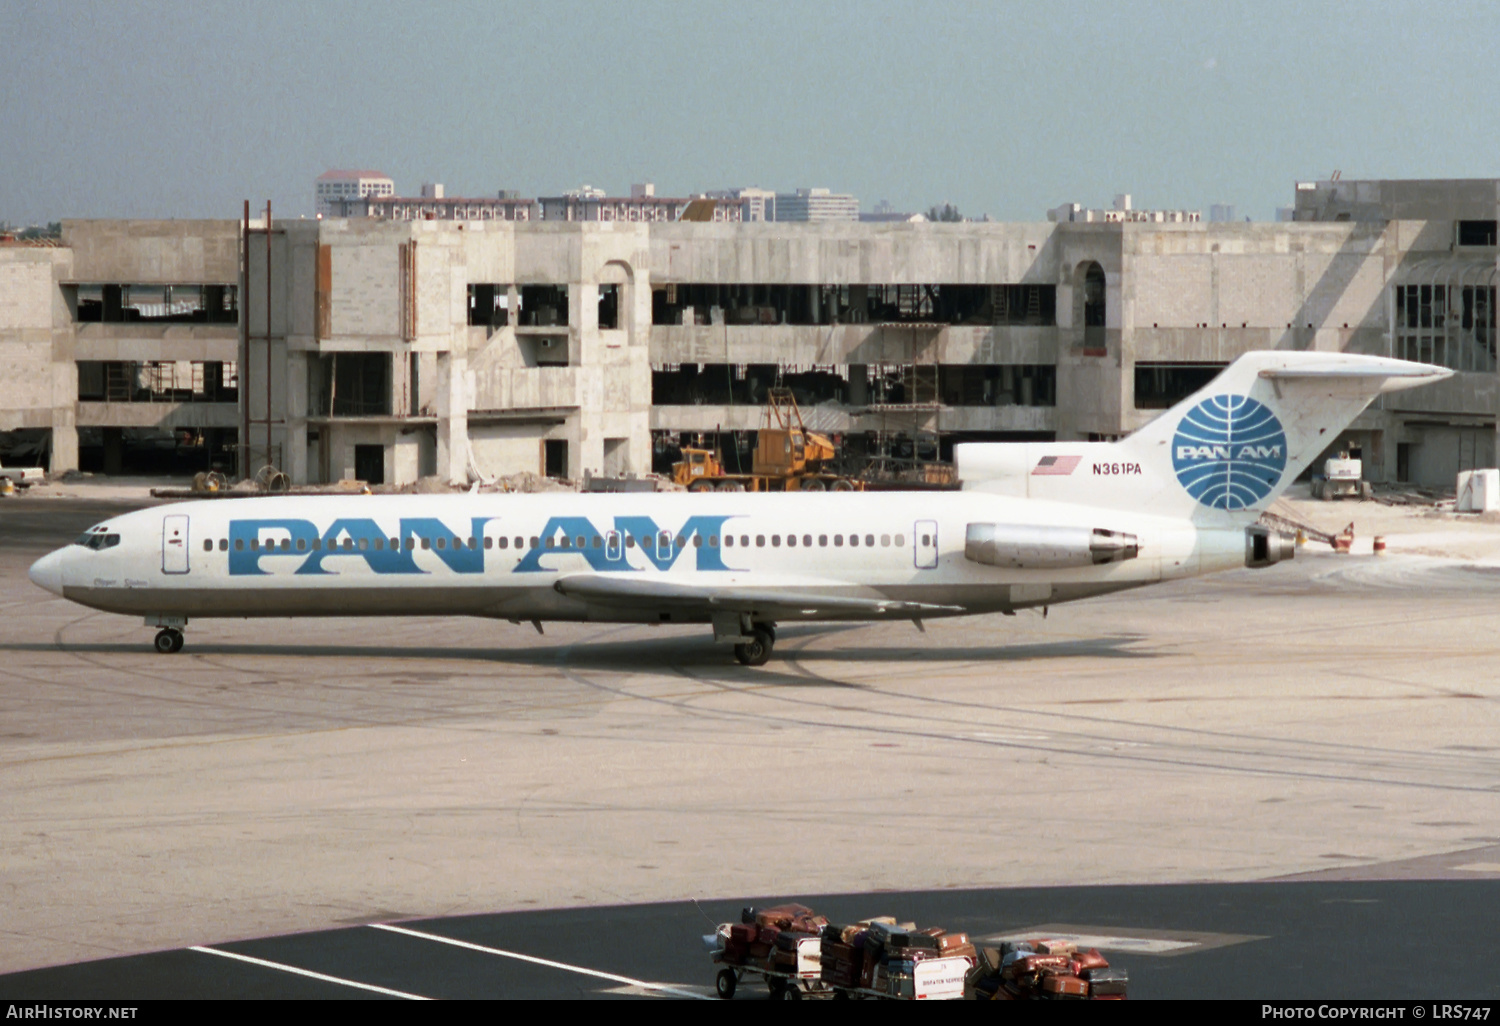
{"points": [[243, 463], [268, 333]]}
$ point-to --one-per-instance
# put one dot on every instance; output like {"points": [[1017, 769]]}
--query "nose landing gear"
{"points": [[169, 640]]}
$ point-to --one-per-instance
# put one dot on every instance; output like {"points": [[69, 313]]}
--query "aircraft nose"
{"points": [[47, 572]]}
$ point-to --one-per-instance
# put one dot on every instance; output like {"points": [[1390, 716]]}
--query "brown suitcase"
{"points": [[1064, 985], [742, 932], [1090, 959], [1056, 947], [781, 915], [949, 941], [1028, 964]]}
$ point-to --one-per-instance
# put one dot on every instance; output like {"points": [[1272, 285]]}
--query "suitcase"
{"points": [[1025, 964], [1064, 985], [742, 933], [1056, 947], [1090, 959], [781, 915], [1007, 947], [949, 941], [922, 941], [767, 935], [1107, 982]]}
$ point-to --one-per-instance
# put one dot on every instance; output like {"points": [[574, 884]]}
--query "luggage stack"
{"points": [[1049, 970], [783, 939], [896, 959]]}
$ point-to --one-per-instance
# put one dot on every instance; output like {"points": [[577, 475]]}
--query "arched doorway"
{"points": [[1089, 310], [617, 298]]}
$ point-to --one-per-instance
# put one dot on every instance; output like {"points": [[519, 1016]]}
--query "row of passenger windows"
{"points": [[665, 540]]}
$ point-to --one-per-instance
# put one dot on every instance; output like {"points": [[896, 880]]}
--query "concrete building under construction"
{"points": [[390, 350]]}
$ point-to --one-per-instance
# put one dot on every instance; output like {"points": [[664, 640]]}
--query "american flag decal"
{"points": [[1057, 466]]}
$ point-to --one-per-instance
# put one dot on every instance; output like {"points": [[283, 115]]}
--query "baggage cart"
{"points": [[932, 979], [784, 984]]}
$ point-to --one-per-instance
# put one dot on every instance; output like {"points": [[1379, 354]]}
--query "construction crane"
{"points": [[788, 457]]}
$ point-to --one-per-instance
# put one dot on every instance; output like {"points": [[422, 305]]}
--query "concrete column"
{"points": [[64, 448], [453, 419], [295, 458]]}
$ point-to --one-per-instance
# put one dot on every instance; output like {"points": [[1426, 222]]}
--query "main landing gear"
{"points": [[168, 640], [757, 652]]}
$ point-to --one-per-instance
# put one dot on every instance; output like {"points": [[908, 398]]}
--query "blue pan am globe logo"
{"points": [[1229, 452]]}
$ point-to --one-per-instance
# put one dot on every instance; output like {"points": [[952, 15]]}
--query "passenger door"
{"points": [[925, 544], [174, 545]]}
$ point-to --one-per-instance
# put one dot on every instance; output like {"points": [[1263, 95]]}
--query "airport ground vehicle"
{"points": [[788, 458], [22, 477], [1342, 478]]}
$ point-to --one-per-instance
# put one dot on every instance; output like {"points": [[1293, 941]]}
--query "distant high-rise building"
{"points": [[333, 186], [1121, 211], [1221, 213], [753, 204], [816, 205]]}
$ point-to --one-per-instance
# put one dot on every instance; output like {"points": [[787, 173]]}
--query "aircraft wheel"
{"points": [[725, 983], [757, 652], [169, 640]]}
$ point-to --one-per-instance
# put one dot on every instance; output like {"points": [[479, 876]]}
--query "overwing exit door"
{"points": [[174, 545]]}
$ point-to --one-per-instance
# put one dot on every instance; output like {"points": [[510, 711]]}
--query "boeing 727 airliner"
{"points": [[1036, 524]]}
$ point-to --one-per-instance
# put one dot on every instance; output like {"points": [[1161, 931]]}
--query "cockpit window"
{"points": [[97, 539]]}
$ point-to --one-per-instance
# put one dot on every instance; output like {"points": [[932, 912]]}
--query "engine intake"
{"points": [[1264, 546], [1032, 547]]}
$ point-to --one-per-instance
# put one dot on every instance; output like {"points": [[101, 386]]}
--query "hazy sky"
{"points": [[184, 109]]}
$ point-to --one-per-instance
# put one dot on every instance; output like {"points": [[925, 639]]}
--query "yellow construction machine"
{"points": [[788, 458]]}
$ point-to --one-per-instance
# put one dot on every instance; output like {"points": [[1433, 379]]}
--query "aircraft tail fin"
{"points": [[1226, 451]]}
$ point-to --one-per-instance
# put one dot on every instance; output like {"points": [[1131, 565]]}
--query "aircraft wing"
{"points": [[765, 601]]}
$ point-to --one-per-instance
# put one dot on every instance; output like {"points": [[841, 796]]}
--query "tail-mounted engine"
{"points": [[1264, 546], [1032, 547]]}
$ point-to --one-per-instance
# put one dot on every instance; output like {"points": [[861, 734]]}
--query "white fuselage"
{"points": [[502, 555]]}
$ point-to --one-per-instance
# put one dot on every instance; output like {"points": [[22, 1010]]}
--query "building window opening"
{"points": [[1476, 233], [997, 384], [1159, 386], [1449, 325], [351, 385], [543, 306], [110, 303], [759, 304], [489, 306], [157, 381], [609, 307]]}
